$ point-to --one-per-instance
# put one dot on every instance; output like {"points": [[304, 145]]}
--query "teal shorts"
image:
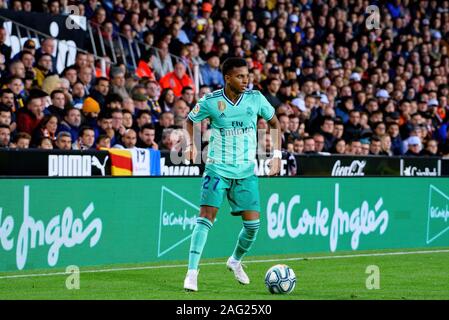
{"points": [[242, 194]]}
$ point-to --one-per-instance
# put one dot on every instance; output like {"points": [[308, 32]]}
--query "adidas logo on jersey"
{"points": [[222, 115]]}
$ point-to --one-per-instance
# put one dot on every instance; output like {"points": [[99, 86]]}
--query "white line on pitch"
{"points": [[218, 263]]}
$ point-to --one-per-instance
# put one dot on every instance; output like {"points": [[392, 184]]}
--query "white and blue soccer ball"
{"points": [[280, 279]]}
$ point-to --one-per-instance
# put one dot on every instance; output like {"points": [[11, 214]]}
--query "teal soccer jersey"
{"points": [[233, 140]]}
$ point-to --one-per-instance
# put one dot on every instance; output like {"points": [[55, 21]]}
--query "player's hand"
{"points": [[275, 166], [190, 153]]}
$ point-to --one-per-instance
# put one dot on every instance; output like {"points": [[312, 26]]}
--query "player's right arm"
{"points": [[190, 153], [267, 111], [193, 127]]}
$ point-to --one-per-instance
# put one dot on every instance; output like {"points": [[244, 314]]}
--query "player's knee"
{"points": [[209, 213]]}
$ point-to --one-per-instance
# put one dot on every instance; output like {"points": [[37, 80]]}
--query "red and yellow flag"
{"points": [[121, 162]]}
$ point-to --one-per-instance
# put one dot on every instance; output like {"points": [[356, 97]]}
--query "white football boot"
{"points": [[191, 280], [236, 267]]}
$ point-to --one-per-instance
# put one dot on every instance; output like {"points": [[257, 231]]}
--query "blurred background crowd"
{"points": [[343, 79]]}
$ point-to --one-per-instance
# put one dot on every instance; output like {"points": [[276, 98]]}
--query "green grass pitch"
{"points": [[408, 274]]}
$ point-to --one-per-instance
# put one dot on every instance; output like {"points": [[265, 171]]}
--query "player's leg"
{"points": [[199, 236], [248, 234], [244, 198], [212, 192]]}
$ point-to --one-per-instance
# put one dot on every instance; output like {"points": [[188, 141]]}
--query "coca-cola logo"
{"points": [[354, 169]]}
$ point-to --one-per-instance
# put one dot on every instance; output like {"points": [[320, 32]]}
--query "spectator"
{"points": [[319, 142], [117, 124], [143, 118], [85, 76], [86, 139], [166, 121], [45, 143], [43, 68], [180, 109], [170, 140], [129, 139], [396, 140], [188, 96], [28, 118], [5, 116], [339, 147], [431, 148], [147, 137], [47, 128], [338, 129], [176, 80], [386, 145], [353, 128], [162, 63], [71, 123], [294, 126], [375, 146], [5, 136], [145, 67], [57, 104], [414, 147], [166, 100], [309, 145], [71, 73], [298, 146], [114, 101], [273, 86], [17, 69], [354, 147], [64, 141], [90, 112], [16, 86], [118, 82], [365, 147], [21, 141], [326, 131], [103, 141], [48, 47], [210, 73], [127, 119], [100, 91], [104, 126], [140, 101], [7, 99], [203, 91], [5, 50], [153, 92]]}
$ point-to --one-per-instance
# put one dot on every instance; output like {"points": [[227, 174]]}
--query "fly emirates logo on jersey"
{"points": [[62, 230], [358, 221]]}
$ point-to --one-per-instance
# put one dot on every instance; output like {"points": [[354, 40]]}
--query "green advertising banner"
{"points": [[46, 223]]}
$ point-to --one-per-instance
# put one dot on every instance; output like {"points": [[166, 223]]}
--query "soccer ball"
{"points": [[280, 279]]}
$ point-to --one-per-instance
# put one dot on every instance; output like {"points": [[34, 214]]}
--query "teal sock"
{"points": [[199, 237], [246, 238]]}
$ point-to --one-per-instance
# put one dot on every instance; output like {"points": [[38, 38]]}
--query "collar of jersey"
{"points": [[229, 100]]}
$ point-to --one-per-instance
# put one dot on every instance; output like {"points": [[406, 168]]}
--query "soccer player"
{"points": [[233, 113]]}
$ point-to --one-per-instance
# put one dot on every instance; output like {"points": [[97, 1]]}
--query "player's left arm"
{"points": [[275, 132]]}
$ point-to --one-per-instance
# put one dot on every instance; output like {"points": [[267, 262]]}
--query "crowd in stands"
{"points": [[340, 83]]}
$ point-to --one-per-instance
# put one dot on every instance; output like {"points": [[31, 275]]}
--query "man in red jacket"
{"points": [[177, 79], [28, 118]]}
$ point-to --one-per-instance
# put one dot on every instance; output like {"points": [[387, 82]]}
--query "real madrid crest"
{"points": [[221, 106]]}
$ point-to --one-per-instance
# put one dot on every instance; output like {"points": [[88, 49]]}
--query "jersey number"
{"points": [[207, 180]]}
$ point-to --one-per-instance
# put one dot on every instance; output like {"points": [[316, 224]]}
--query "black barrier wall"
{"points": [[54, 163], [35, 162], [321, 165]]}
